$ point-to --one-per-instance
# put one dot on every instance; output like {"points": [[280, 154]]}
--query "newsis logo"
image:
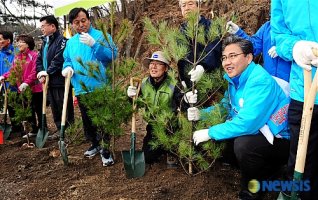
{"points": [[278, 185]]}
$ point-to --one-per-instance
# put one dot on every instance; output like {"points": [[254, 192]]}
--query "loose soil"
{"points": [[32, 173], [40, 173]]}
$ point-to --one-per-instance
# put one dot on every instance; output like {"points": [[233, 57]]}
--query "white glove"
{"points": [[87, 39], [232, 27], [23, 86], [303, 54], [193, 114], [132, 91], [2, 78], [315, 62], [184, 85], [196, 74], [66, 70], [201, 136], [191, 97], [272, 52], [41, 73]]}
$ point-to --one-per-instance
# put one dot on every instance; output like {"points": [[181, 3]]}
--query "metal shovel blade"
{"points": [[41, 137], [6, 130], [63, 150], [134, 161]]}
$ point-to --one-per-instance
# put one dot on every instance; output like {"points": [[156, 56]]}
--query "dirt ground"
{"points": [[38, 174]]}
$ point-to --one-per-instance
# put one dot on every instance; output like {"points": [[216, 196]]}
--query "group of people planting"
{"points": [[264, 104]]}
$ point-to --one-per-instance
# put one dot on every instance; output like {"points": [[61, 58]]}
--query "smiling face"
{"points": [[188, 6], [234, 61], [4, 42], [22, 45], [47, 29], [81, 23], [157, 69]]}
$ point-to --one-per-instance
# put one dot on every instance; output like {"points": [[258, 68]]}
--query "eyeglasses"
{"points": [[152, 64], [231, 57]]}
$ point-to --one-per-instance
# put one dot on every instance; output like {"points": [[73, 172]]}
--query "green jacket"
{"points": [[163, 95]]}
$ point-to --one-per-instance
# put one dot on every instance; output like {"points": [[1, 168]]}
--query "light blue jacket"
{"points": [[98, 53], [262, 43], [291, 22], [256, 100], [6, 59]]}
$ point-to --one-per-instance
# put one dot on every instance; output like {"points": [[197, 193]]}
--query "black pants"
{"points": [[258, 159], [36, 110], [56, 97], [151, 155], [311, 166], [90, 130]]}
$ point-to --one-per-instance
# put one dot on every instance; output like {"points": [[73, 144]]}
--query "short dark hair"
{"points": [[74, 12], [245, 45], [7, 35], [50, 19], [27, 39]]}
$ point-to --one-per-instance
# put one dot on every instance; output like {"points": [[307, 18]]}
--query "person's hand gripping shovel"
{"points": [[134, 161], [310, 92]]}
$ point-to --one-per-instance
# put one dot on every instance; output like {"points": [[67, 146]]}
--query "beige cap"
{"points": [[158, 55]]}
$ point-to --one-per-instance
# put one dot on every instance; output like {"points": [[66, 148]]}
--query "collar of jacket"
{"points": [[8, 50], [243, 76], [51, 37], [25, 53], [157, 84]]}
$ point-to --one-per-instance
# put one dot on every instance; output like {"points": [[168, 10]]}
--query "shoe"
{"points": [[92, 151], [54, 136], [107, 159], [30, 135], [172, 162]]}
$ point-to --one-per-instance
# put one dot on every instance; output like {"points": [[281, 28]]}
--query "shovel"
{"points": [[310, 91], [134, 161], [43, 134], [6, 128], [61, 143], [309, 101]]}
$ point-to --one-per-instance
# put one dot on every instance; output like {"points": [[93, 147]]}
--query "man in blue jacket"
{"points": [[211, 50], [50, 63], [6, 60], [257, 120], [295, 33], [261, 40], [6, 51], [90, 46]]}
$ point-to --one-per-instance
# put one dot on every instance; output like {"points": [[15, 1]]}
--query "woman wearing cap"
{"points": [[159, 90]]}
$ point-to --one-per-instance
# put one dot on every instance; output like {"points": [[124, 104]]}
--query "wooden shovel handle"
{"points": [[67, 88], [134, 82], [45, 86], [310, 89]]}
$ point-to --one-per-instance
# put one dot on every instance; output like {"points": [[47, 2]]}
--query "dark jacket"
{"points": [[55, 59], [209, 63]]}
